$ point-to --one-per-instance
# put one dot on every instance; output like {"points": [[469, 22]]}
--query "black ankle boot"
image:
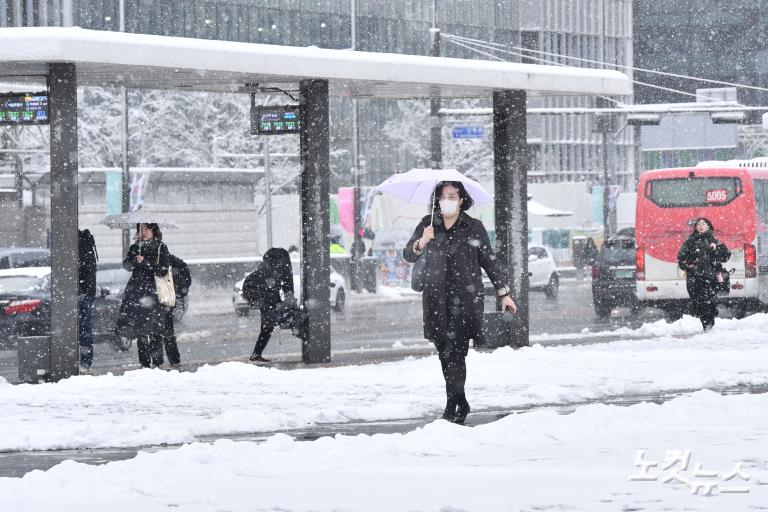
{"points": [[462, 410], [450, 410]]}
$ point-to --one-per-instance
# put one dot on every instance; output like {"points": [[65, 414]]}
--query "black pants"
{"points": [[169, 339], [703, 296], [150, 350], [452, 348], [269, 319]]}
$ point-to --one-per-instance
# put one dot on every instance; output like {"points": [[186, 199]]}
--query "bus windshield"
{"points": [[691, 192]]}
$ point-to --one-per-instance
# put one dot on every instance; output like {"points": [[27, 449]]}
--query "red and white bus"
{"points": [[734, 196]]}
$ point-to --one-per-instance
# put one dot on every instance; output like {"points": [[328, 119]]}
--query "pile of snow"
{"points": [[585, 461], [147, 407]]}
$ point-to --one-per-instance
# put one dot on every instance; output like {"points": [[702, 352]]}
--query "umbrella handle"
{"points": [[432, 208]]}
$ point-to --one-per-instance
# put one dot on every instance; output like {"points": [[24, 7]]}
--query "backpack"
{"points": [[254, 289], [88, 256], [182, 279]]}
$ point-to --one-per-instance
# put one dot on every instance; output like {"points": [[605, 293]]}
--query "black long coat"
{"points": [[471, 251], [276, 277], [141, 314], [701, 264], [699, 260]]}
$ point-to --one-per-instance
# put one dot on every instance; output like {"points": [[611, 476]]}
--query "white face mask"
{"points": [[449, 206]]}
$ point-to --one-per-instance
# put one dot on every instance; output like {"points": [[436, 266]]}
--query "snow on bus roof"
{"points": [[753, 163], [108, 58]]}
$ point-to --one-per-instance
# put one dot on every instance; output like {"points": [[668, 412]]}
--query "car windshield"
{"points": [[20, 284], [618, 252]]}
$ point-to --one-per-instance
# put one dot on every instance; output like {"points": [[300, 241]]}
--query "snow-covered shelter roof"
{"points": [[160, 62]]}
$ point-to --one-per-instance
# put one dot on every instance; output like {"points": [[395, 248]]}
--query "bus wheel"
{"points": [[740, 311]]}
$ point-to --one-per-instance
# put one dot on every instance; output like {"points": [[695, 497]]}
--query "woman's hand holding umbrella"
{"points": [[426, 236]]}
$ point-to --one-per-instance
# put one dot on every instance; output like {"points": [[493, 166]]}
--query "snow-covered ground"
{"points": [[146, 407], [538, 460], [586, 461]]}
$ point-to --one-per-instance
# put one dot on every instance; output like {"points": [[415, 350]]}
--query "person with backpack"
{"points": [[182, 280], [142, 316], [262, 290], [86, 291]]}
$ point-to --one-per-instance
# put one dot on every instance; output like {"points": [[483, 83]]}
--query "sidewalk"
{"points": [[150, 407], [16, 464]]}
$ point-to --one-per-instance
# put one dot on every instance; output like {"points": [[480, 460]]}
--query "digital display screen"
{"points": [[275, 120], [24, 108]]}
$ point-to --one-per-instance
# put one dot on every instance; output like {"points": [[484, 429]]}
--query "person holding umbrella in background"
{"points": [[456, 247], [141, 314]]}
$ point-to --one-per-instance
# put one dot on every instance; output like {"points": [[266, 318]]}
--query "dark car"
{"points": [[613, 276], [25, 303], [18, 257]]}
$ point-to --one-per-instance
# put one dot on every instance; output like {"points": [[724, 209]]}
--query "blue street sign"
{"points": [[468, 132]]}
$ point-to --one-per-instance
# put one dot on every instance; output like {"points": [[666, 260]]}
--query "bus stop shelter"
{"points": [[64, 58]]}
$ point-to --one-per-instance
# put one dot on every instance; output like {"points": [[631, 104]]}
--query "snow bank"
{"points": [[147, 407], [535, 461]]}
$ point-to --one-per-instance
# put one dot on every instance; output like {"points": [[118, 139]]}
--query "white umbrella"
{"points": [[130, 219], [417, 185]]}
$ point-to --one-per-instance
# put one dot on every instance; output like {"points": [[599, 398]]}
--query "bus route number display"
{"points": [[275, 120], [717, 196], [24, 108]]}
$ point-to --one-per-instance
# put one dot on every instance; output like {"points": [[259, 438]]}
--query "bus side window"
{"points": [[761, 196]]}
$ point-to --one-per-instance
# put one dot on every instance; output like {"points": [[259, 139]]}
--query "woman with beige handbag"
{"points": [[146, 301]]}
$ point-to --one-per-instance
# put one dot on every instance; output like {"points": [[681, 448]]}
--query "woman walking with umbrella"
{"points": [[141, 314], [455, 247]]}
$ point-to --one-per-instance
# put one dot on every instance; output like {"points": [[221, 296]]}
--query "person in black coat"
{"points": [[456, 248], [702, 256], [182, 280], [273, 275], [141, 314], [86, 295]]}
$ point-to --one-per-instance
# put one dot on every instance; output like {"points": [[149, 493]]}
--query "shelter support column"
{"points": [[315, 221], [510, 166], [62, 89]]}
